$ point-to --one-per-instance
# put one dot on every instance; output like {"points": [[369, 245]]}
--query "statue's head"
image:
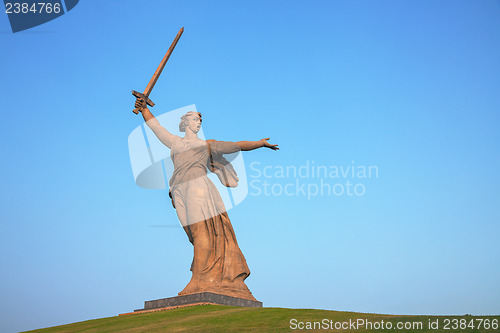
{"points": [[191, 120]]}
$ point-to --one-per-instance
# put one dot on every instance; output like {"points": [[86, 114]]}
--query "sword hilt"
{"points": [[144, 97]]}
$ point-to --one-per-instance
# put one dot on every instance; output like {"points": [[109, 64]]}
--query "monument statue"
{"points": [[218, 264]]}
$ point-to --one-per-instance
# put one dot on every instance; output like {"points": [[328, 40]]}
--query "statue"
{"points": [[218, 265]]}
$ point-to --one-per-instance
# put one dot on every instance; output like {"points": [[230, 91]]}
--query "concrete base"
{"points": [[199, 298]]}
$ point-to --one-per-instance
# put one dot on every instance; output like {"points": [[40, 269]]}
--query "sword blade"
{"points": [[157, 73]]}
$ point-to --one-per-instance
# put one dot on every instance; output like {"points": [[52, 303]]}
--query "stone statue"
{"points": [[218, 265]]}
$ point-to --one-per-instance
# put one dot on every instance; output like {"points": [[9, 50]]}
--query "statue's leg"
{"points": [[206, 271], [181, 210]]}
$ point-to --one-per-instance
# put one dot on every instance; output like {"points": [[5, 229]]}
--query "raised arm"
{"points": [[251, 145], [161, 133]]}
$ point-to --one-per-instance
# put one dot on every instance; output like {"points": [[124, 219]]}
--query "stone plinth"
{"points": [[199, 298]]}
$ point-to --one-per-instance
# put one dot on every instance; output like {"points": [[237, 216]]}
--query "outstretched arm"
{"points": [[251, 145], [161, 133]]}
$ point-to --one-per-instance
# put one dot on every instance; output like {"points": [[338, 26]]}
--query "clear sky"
{"points": [[411, 87]]}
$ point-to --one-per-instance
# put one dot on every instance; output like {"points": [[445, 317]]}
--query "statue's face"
{"points": [[194, 123]]}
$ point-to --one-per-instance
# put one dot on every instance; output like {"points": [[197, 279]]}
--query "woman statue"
{"points": [[218, 265]]}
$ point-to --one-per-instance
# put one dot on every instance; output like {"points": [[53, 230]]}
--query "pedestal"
{"points": [[192, 299]]}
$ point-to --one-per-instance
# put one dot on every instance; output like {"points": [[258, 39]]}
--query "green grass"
{"points": [[218, 318]]}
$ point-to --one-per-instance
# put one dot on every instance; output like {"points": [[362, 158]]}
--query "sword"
{"points": [[156, 75]]}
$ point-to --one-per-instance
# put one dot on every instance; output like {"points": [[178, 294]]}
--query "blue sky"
{"points": [[411, 87]]}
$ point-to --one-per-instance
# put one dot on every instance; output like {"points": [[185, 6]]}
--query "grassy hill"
{"points": [[218, 318]]}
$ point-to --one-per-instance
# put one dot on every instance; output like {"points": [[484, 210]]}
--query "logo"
{"points": [[26, 14]]}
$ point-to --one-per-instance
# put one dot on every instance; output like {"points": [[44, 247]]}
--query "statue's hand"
{"points": [[268, 145], [140, 104]]}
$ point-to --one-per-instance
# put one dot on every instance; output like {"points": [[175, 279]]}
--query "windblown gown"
{"points": [[217, 259]]}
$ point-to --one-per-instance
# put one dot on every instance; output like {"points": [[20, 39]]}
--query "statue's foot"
{"points": [[234, 288]]}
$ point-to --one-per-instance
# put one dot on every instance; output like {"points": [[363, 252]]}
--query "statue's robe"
{"points": [[218, 265]]}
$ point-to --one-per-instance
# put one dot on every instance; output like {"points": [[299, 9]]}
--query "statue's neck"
{"points": [[190, 135]]}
